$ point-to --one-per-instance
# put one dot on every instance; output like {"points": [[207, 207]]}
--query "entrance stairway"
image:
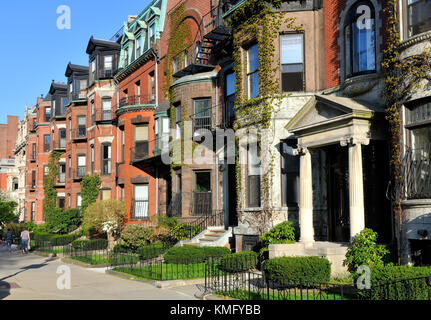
{"points": [[210, 237]]}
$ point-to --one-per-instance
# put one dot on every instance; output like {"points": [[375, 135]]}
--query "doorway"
{"points": [[338, 193]]}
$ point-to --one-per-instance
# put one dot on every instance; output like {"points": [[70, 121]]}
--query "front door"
{"points": [[338, 194]]}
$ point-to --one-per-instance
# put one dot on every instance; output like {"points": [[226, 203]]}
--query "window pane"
{"points": [[108, 63], [230, 84], [106, 104], [203, 181], [291, 49], [203, 108], [253, 58], [254, 85], [419, 16], [141, 133], [81, 161]]}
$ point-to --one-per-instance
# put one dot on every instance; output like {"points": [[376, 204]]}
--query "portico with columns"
{"points": [[341, 145]]}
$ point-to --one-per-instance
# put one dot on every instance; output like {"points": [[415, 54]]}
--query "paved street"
{"points": [[32, 277]]}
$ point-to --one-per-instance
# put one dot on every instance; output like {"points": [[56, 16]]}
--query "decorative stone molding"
{"points": [[139, 179], [358, 85], [351, 141], [140, 119], [415, 40]]}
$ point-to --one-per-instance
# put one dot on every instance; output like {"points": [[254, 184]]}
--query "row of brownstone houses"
{"points": [[198, 71]]}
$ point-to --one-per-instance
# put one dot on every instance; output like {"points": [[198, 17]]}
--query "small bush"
{"points": [[414, 289], [308, 270], [281, 233], [152, 251], [135, 236], [240, 261], [184, 232], [363, 250], [96, 244], [216, 252], [61, 240]]}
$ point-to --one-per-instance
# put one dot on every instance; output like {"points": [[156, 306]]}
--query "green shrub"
{"points": [[152, 251], [168, 222], [184, 232], [281, 233], [216, 252], [192, 254], [41, 236], [96, 244], [30, 225], [307, 270], [135, 236], [61, 240], [384, 286], [240, 261], [363, 250]]}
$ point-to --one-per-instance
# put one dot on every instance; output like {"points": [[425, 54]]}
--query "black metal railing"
{"points": [[136, 100], [139, 209], [416, 173], [59, 144], [106, 73], [61, 178], [140, 152]]}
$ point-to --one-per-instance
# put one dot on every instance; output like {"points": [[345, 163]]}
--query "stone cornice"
{"points": [[416, 39]]}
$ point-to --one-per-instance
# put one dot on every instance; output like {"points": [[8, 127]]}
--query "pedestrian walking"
{"points": [[25, 240], [8, 238]]}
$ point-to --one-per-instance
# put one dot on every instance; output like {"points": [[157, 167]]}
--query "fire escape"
{"points": [[212, 33]]}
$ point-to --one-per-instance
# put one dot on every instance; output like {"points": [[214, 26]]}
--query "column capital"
{"points": [[351, 141], [301, 150]]}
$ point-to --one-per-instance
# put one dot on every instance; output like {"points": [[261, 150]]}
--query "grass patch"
{"points": [[99, 259], [241, 294], [165, 271]]}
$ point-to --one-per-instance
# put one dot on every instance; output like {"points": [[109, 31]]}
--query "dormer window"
{"points": [[360, 39], [419, 16]]}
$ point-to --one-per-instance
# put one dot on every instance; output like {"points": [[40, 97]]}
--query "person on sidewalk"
{"points": [[9, 237], [25, 240]]}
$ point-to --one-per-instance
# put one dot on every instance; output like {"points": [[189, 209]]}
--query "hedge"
{"points": [[96, 244], [152, 250], [54, 239], [384, 284], [191, 254], [308, 271], [240, 261]]}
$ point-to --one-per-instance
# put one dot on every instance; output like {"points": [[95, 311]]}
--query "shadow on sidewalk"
{"points": [[4, 289]]}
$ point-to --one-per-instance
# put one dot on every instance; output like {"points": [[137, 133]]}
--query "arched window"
{"points": [[360, 39]]}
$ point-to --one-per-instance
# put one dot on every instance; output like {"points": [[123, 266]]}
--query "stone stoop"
{"points": [[334, 252], [210, 237]]}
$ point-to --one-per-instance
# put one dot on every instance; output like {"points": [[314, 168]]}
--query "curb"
{"points": [[82, 264]]}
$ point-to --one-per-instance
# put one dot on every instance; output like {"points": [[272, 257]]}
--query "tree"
{"points": [[7, 212], [90, 189], [105, 216]]}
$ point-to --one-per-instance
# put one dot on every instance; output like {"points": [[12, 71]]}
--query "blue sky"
{"points": [[34, 51]]}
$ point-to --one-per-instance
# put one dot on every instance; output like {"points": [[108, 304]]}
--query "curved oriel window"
{"points": [[360, 39]]}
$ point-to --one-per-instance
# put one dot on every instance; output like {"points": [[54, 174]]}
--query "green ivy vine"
{"points": [[50, 194], [258, 21], [403, 76]]}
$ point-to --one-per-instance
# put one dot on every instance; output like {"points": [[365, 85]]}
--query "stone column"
{"points": [[356, 185], [306, 198]]}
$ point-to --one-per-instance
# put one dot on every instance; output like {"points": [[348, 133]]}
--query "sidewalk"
{"points": [[28, 276]]}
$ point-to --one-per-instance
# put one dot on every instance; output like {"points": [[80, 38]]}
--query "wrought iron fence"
{"points": [[136, 100]]}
